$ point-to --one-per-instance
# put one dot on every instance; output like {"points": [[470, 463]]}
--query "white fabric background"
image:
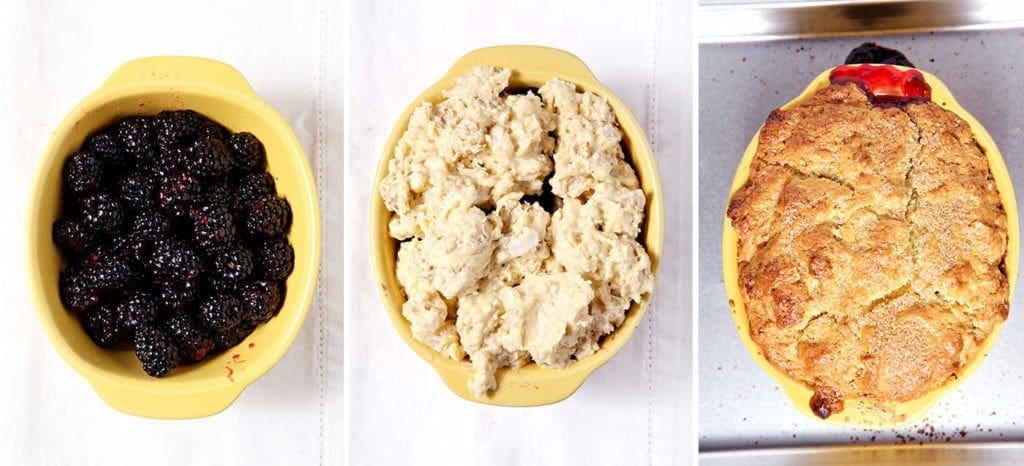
{"points": [[634, 410], [299, 57], [53, 54]]}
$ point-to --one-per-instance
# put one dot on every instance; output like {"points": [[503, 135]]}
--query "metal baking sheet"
{"points": [[742, 412]]}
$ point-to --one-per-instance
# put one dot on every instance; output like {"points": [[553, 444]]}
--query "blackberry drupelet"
{"points": [[268, 216], [219, 312], [102, 327], [175, 295], [150, 225], [219, 194], [193, 342], [71, 236], [260, 300], [100, 212], [276, 259], [155, 350], [248, 151], [83, 172], [107, 270], [175, 127]]}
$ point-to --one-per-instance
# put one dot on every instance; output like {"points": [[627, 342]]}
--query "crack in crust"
{"points": [[871, 245]]}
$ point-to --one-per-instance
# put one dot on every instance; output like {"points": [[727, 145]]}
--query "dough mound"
{"points": [[490, 273]]}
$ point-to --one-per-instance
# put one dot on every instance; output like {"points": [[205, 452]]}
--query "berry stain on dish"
{"points": [[174, 239]]}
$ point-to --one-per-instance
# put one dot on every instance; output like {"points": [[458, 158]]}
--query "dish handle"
{"points": [[177, 68], [569, 66], [160, 404]]}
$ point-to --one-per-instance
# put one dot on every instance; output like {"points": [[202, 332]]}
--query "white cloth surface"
{"points": [[53, 55], [635, 409]]}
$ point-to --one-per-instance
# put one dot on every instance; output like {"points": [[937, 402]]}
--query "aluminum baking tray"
{"points": [[744, 76]]}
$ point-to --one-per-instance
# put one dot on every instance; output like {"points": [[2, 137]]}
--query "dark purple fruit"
{"points": [[260, 300], [219, 312], [101, 324], [83, 172], [100, 212], [275, 259], [71, 236], [268, 217], [248, 151], [155, 350]]}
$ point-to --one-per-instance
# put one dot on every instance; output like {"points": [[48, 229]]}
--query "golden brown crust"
{"points": [[871, 243]]}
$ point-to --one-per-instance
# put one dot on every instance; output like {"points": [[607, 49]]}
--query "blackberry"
{"points": [[102, 213], [83, 172], [232, 263], [211, 129], [71, 236], [102, 327], [176, 192], [248, 151], [253, 186], [175, 295], [219, 194], [150, 225], [172, 259], [218, 284], [870, 52], [212, 226], [166, 162], [260, 300], [192, 341], [103, 143], [175, 127], [136, 190], [138, 309], [234, 335], [155, 350], [208, 157], [77, 294], [136, 250], [276, 259], [219, 312], [106, 270], [135, 133], [268, 217]]}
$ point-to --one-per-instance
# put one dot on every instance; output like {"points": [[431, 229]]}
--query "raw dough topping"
{"points": [[487, 271]]}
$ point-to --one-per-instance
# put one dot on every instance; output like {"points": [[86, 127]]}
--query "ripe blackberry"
{"points": [[260, 300], [211, 129], [175, 295], [172, 259], [176, 192], [253, 186], [77, 294], [192, 341], [176, 127], [138, 309], [167, 161], [103, 143], [136, 250], [83, 172], [232, 263], [155, 350], [208, 157], [101, 213], [107, 270], [248, 151], [234, 335], [212, 226], [276, 259], [136, 190], [102, 327], [217, 284], [218, 193], [135, 133], [219, 312], [71, 236], [150, 225], [268, 217]]}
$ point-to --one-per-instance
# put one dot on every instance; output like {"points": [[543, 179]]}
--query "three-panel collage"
{"points": [[397, 232]]}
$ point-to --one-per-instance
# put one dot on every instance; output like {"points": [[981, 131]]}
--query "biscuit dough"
{"points": [[487, 271]]}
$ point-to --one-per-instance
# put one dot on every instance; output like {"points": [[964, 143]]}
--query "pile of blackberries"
{"points": [[174, 238]]}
